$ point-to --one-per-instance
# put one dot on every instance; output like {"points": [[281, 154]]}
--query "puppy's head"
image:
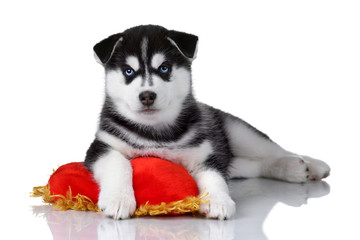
{"points": [[148, 72]]}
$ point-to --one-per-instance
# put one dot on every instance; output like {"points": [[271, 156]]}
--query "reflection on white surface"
{"points": [[183, 227], [70, 224], [255, 198]]}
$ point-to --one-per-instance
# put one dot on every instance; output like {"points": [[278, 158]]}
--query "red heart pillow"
{"points": [[160, 186]]}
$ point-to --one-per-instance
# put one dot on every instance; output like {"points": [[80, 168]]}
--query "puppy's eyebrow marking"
{"points": [[144, 57], [157, 60], [133, 62]]}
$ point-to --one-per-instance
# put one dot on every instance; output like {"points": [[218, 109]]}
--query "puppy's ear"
{"points": [[105, 49], [185, 43]]}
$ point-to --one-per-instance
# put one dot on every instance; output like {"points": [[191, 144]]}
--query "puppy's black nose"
{"points": [[147, 98]]}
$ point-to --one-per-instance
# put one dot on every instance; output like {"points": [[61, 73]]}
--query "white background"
{"points": [[290, 68]]}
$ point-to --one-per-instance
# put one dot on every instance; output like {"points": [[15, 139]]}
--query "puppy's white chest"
{"points": [[190, 158]]}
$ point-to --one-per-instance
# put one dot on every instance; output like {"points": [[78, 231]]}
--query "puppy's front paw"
{"points": [[220, 206], [117, 205]]}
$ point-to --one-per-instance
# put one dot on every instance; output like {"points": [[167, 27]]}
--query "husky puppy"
{"points": [[149, 110]]}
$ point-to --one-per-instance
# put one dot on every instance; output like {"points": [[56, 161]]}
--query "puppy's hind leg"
{"points": [[245, 168], [287, 168], [256, 155]]}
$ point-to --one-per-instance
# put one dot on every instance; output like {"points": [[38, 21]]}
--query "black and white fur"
{"points": [[150, 110]]}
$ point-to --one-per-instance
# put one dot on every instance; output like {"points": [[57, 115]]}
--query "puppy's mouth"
{"points": [[148, 111]]}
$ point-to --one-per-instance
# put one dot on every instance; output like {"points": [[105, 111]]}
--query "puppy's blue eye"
{"points": [[129, 72], [164, 69]]}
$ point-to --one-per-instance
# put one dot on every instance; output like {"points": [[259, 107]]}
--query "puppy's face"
{"points": [[148, 74]]}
